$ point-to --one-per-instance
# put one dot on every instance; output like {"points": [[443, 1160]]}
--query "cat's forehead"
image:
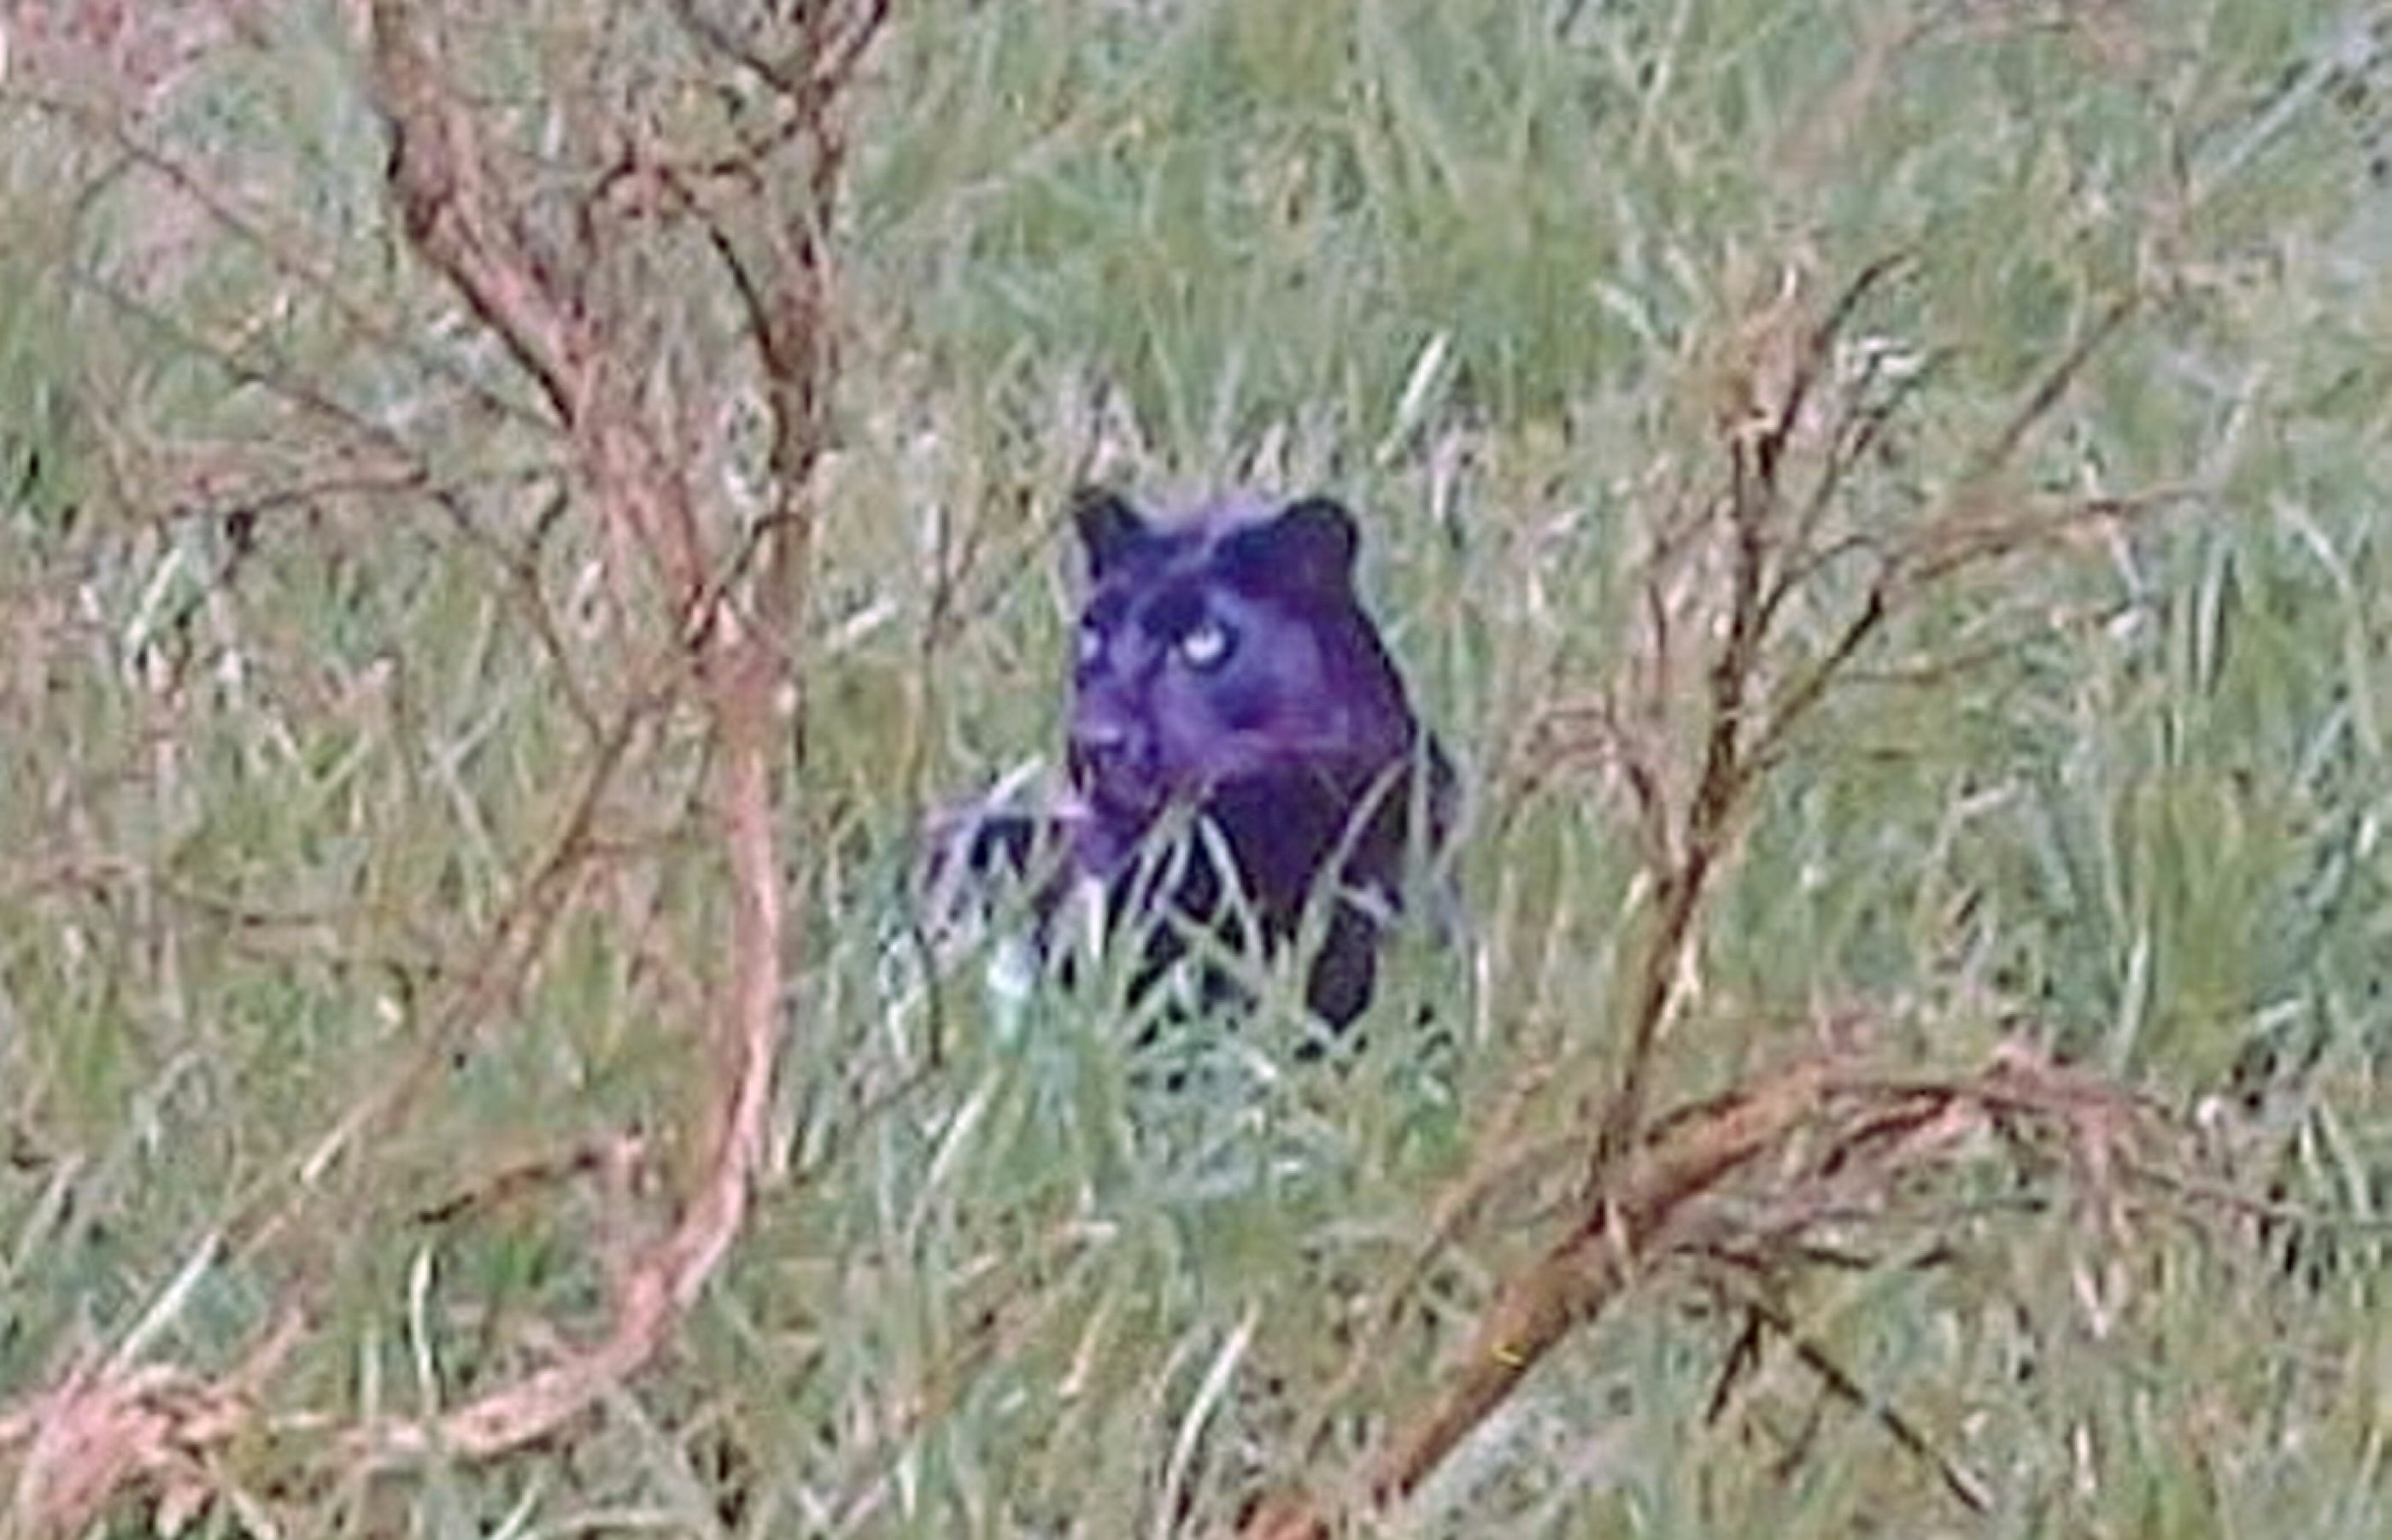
{"points": [[1182, 535], [1167, 594], [1218, 513]]}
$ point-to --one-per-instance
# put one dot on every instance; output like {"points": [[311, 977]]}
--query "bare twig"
{"points": [[1727, 573], [442, 177], [1967, 1488], [1810, 1151]]}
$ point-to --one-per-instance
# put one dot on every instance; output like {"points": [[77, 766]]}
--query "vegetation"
{"points": [[509, 521]]}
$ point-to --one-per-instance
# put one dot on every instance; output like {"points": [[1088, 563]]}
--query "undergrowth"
{"points": [[510, 522]]}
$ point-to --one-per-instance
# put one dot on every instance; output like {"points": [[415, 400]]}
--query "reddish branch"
{"points": [[730, 611], [461, 220], [1812, 1149], [1766, 538]]}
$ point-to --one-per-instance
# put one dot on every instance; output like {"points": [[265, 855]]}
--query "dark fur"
{"points": [[1231, 696]]}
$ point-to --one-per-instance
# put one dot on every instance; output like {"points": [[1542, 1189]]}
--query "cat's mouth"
{"points": [[1117, 786], [1127, 781]]}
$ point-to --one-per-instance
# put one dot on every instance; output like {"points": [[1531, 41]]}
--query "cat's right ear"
{"points": [[1110, 528]]}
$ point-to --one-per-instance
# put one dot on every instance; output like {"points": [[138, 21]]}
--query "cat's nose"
{"points": [[1104, 724], [1111, 758]]}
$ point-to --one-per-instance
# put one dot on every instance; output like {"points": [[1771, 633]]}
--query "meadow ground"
{"points": [[1884, 500]]}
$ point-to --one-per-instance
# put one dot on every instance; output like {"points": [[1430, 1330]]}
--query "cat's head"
{"points": [[1225, 646]]}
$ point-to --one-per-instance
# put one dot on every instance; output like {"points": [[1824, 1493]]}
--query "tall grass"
{"points": [[317, 673]]}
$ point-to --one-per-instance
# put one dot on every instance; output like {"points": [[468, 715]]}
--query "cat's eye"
{"points": [[1092, 644], [1205, 645]]}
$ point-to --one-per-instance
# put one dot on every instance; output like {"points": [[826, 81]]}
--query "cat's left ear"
{"points": [[1308, 547], [1110, 528]]}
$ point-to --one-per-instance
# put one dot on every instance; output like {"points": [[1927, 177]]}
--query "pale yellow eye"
{"points": [[1205, 645]]}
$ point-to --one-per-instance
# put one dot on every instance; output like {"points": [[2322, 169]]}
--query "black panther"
{"points": [[1242, 758]]}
